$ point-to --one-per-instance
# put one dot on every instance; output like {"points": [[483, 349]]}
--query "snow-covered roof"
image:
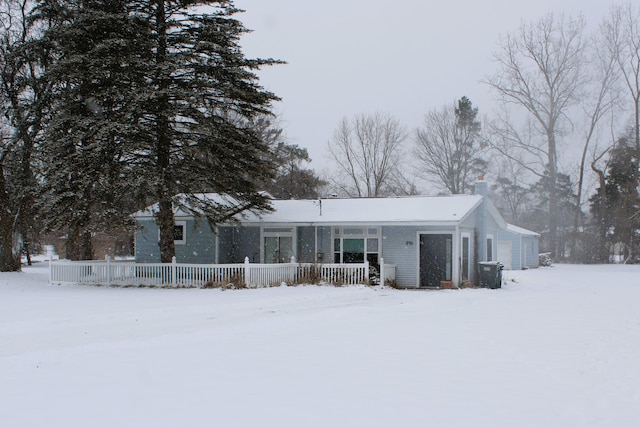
{"points": [[369, 210], [423, 209], [521, 231]]}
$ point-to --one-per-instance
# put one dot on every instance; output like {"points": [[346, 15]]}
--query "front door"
{"points": [[435, 259]]}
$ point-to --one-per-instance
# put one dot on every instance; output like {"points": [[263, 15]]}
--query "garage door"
{"points": [[504, 253]]}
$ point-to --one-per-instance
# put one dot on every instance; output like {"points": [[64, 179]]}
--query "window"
{"points": [[355, 245], [180, 232], [465, 256], [489, 248], [277, 244]]}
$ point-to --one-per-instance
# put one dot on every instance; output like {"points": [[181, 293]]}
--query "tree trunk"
{"points": [[553, 199], [165, 218], [9, 262]]}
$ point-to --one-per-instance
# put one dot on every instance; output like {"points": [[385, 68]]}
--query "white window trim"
{"points": [[182, 241], [469, 248], [493, 250], [182, 223], [280, 234], [365, 234]]}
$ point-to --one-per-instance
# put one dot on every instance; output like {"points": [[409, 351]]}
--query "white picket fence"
{"points": [[129, 273]]}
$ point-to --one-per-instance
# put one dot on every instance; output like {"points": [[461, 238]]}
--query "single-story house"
{"points": [[429, 239]]}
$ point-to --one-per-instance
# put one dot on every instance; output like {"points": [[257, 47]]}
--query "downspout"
{"points": [[457, 249], [315, 249]]}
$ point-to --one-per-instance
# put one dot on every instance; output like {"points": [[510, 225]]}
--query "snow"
{"points": [[356, 210], [555, 347], [521, 231]]}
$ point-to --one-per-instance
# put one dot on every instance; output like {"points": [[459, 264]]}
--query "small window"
{"points": [[489, 248], [352, 231], [180, 232]]}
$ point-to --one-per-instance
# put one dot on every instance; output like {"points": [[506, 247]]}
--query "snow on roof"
{"points": [[359, 210], [437, 209], [521, 231], [365, 210]]}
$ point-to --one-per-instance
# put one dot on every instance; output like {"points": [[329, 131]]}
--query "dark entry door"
{"points": [[435, 259]]}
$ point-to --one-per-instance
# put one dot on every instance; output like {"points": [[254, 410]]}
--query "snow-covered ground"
{"points": [[555, 347]]}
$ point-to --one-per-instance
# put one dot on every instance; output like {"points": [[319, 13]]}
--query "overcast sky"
{"points": [[403, 57]]}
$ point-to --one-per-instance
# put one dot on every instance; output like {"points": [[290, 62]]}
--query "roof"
{"points": [[369, 210], [424, 209], [521, 231]]}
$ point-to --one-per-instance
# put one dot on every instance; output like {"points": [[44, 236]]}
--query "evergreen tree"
{"points": [[150, 93], [616, 208], [292, 181], [537, 216], [101, 60], [200, 83]]}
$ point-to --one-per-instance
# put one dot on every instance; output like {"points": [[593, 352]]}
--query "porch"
{"points": [[184, 275]]}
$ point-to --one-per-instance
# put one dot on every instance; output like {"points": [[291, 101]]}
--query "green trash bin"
{"points": [[490, 274]]}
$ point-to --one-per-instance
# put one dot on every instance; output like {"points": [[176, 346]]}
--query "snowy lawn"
{"points": [[555, 347]]}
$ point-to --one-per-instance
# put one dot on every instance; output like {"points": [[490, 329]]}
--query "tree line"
{"points": [[564, 93]]}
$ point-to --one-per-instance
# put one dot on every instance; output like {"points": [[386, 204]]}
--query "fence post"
{"points": [[108, 260], [173, 271], [50, 270], [382, 273], [247, 275], [366, 271]]}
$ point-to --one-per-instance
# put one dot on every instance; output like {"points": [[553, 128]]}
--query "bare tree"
{"points": [[621, 34], [447, 147], [601, 98], [23, 100], [541, 71], [367, 152]]}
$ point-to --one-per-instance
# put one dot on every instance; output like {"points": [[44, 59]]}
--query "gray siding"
{"points": [[524, 249], [400, 247], [200, 243], [199, 246], [147, 247], [236, 243], [325, 245], [530, 250], [306, 237]]}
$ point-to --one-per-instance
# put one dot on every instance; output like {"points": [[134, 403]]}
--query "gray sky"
{"points": [[403, 57]]}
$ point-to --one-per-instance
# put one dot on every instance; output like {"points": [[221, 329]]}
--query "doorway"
{"points": [[436, 259]]}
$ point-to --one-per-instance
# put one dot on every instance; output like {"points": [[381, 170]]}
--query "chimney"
{"points": [[481, 187]]}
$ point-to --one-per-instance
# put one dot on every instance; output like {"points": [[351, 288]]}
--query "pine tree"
{"points": [[98, 74], [615, 209], [200, 83], [149, 94]]}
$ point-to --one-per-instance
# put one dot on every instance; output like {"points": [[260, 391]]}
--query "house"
{"points": [[428, 239]]}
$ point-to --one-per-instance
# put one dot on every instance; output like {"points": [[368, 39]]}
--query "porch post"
{"points": [[381, 270], [247, 272], [173, 271], [108, 260], [366, 271]]}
